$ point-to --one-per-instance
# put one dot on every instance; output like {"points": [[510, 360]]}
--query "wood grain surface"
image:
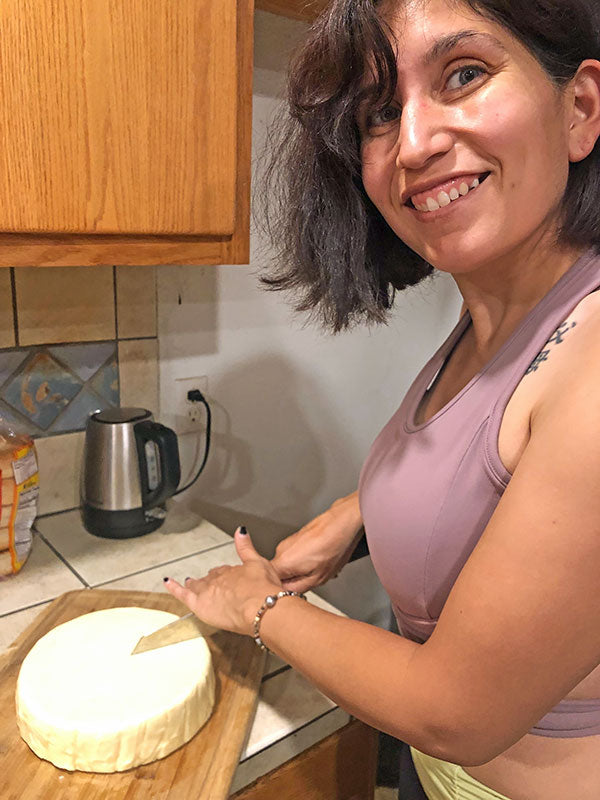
{"points": [[112, 117], [202, 769], [71, 249]]}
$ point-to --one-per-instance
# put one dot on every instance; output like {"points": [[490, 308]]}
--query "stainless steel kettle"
{"points": [[130, 467]]}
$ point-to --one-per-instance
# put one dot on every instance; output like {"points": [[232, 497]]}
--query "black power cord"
{"points": [[196, 396]]}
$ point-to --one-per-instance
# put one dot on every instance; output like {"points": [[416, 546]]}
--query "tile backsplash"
{"points": [[73, 340], [55, 389]]}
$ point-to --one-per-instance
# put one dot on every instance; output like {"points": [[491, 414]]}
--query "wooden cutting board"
{"points": [[202, 769]]}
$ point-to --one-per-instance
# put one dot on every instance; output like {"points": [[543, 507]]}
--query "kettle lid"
{"points": [[120, 415]]}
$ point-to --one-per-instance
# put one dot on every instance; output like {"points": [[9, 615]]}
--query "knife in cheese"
{"points": [[186, 627]]}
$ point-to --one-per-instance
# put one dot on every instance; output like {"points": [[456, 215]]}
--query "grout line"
{"points": [[54, 514], [86, 585], [137, 338], [156, 566], [275, 672], [64, 560], [115, 302], [62, 343], [26, 608], [13, 291]]}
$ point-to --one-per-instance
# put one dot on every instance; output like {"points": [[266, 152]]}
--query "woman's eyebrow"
{"points": [[449, 42]]}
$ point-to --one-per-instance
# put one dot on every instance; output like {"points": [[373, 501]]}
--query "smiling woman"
{"points": [[460, 137], [349, 66]]}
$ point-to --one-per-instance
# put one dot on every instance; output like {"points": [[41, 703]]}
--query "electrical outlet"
{"points": [[189, 416]]}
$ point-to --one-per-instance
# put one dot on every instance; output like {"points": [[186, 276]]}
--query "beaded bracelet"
{"points": [[269, 603]]}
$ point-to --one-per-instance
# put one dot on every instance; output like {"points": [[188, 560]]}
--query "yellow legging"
{"points": [[444, 781]]}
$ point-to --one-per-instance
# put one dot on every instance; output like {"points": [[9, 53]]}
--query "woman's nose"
{"points": [[424, 133]]}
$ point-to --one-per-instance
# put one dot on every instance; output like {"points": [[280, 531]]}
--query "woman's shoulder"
{"points": [[572, 353]]}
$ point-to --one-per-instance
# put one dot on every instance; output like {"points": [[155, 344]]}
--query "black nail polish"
{"points": [[188, 579], [165, 579], [243, 530]]}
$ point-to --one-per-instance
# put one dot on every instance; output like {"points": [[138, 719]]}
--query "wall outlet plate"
{"points": [[189, 416]]}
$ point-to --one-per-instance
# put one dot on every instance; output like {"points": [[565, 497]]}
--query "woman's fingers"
{"points": [[184, 593], [243, 544]]}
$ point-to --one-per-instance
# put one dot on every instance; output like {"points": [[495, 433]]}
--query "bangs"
{"points": [[347, 62]]}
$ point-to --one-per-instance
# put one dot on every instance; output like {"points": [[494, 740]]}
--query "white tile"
{"points": [[42, 577], [193, 566], [258, 765], [138, 373], [99, 560], [59, 459], [287, 701], [13, 625], [65, 304], [7, 327], [136, 301]]}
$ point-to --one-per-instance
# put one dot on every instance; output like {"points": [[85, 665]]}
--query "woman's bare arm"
{"points": [[520, 628]]}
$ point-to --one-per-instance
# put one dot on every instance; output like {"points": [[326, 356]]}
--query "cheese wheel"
{"points": [[85, 703]]}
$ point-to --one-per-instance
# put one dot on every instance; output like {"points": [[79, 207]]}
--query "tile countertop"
{"points": [[291, 714]]}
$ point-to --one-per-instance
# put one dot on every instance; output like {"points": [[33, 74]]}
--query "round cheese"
{"points": [[85, 703]]}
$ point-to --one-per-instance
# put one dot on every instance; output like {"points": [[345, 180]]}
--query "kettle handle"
{"points": [[168, 451]]}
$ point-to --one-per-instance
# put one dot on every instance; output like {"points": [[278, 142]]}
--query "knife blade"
{"points": [[180, 630]]}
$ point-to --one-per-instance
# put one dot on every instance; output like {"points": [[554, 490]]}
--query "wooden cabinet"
{"points": [[341, 767], [297, 9], [125, 131]]}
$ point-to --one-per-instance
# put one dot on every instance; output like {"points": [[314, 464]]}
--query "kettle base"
{"points": [[118, 524]]}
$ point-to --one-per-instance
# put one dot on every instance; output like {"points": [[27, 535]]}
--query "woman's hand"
{"points": [[319, 550], [229, 597]]}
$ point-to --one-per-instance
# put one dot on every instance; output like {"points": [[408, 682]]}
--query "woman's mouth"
{"points": [[446, 194]]}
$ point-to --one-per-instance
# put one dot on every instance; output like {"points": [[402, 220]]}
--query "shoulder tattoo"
{"points": [[557, 338]]}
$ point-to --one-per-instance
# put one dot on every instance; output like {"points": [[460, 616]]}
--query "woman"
{"points": [[461, 136]]}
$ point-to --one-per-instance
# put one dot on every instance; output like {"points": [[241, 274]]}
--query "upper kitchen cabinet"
{"points": [[306, 10], [125, 131]]}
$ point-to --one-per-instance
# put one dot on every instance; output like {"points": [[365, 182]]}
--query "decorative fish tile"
{"points": [[41, 389], [79, 409], [106, 381], [17, 424], [84, 359], [10, 360], [49, 390]]}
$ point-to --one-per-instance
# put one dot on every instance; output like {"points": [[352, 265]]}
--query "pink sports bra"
{"points": [[428, 491]]}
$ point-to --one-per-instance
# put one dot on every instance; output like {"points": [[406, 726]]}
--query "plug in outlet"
{"points": [[189, 415]]}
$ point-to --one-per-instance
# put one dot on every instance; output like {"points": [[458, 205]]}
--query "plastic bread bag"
{"points": [[19, 490]]}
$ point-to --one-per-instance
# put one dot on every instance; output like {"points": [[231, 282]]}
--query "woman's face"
{"points": [[469, 162]]}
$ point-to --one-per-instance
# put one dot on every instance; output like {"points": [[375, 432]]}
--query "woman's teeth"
{"points": [[445, 198]]}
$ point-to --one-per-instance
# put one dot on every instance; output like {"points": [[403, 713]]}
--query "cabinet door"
{"points": [[118, 116]]}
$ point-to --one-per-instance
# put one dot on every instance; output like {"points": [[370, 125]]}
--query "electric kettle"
{"points": [[130, 467]]}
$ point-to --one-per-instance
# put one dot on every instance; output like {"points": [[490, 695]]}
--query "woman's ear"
{"points": [[585, 112]]}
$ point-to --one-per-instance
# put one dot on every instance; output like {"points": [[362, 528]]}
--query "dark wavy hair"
{"points": [[332, 246]]}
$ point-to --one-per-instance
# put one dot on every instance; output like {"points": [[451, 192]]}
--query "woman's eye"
{"points": [[382, 116], [464, 76]]}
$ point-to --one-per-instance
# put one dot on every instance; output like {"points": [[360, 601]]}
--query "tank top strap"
{"points": [[528, 341], [426, 376]]}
